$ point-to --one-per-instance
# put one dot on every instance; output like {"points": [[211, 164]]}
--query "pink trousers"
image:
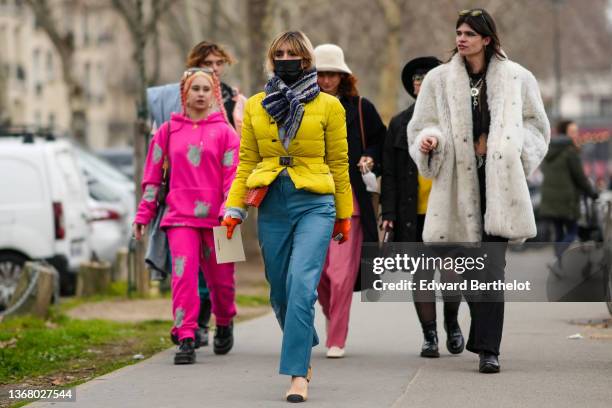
{"points": [[337, 281], [192, 248]]}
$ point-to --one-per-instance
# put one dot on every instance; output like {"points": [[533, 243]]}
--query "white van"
{"points": [[43, 208]]}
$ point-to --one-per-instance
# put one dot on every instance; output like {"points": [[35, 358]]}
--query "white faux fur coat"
{"points": [[518, 140]]}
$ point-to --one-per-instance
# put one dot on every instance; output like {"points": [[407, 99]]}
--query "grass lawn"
{"points": [[62, 352]]}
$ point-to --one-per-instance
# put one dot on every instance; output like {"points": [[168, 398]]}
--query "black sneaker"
{"points": [[198, 339], [186, 352], [224, 339]]}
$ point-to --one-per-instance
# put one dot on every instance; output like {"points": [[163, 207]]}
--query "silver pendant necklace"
{"points": [[475, 90]]}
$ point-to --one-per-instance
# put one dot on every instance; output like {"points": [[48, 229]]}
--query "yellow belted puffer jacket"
{"points": [[316, 159]]}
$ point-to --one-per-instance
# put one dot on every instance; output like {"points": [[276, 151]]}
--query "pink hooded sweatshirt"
{"points": [[203, 158]]}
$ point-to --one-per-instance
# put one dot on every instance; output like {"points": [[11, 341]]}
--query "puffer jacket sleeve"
{"points": [[536, 126], [425, 122], [248, 158], [229, 163], [336, 156], [152, 176]]}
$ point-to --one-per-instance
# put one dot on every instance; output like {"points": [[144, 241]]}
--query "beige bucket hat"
{"points": [[330, 58]]}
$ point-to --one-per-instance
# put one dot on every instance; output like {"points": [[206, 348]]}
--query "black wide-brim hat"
{"points": [[411, 68]]}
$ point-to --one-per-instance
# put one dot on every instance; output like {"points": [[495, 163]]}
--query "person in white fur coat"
{"points": [[479, 129]]}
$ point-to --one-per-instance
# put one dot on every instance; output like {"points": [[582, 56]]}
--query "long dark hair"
{"points": [[485, 26]]}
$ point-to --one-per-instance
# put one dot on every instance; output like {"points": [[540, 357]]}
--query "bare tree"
{"points": [[4, 114], [256, 14], [63, 42], [139, 32], [389, 72]]}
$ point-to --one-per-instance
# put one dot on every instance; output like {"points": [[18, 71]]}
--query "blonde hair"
{"points": [[298, 42], [188, 78]]}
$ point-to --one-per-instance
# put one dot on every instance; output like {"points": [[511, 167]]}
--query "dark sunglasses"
{"points": [[474, 13], [418, 77]]}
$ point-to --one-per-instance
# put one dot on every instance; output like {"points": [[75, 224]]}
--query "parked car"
{"points": [[43, 208], [122, 158], [105, 182], [110, 229]]}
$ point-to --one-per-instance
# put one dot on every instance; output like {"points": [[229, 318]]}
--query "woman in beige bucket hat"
{"points": [[365, 134]]}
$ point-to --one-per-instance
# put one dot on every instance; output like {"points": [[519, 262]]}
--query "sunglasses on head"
{"points": [[474, 13], [189, 72]]}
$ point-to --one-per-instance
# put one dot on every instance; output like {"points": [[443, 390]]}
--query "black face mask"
{"points": [[288, 70]]}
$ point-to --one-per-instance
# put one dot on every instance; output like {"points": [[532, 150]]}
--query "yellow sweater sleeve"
{"points": [[423, 194]]}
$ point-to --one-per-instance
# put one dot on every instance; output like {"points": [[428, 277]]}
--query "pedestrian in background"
{"points": [[201, 148], [405, 193], [563, 185], [479, 128], [365, 134], [294, 158], [166, 99]]}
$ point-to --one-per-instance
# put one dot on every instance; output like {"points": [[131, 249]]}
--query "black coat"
{"points": [[374, 130], [400, 185]]}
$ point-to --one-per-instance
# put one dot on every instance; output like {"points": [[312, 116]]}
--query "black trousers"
{"points": [[487, 308]]}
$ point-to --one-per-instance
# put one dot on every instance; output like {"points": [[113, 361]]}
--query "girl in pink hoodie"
{"points": [[202, 149]]}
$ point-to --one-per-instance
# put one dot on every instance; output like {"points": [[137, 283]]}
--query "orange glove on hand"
{"points": [[341, 230], [230, 223]]}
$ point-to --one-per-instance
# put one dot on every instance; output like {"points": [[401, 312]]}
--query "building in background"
{"points": [[32, 86]]}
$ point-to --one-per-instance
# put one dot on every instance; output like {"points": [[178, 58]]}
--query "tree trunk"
{"points": [[257, 11], [64, 45], [120, 268], [4, 113], [35, 291], [93, 278], [141, 134], [389, 73]]}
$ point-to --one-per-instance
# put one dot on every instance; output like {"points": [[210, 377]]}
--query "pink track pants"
{"points": [[192, 248], [337, 282]]}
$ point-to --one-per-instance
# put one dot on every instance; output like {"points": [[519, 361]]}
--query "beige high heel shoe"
{"points": [[300, 397]]}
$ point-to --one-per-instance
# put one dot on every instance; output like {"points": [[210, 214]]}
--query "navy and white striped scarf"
{"points": [[286, 103]]}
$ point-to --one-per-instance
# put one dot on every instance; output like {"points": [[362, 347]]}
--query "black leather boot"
{"points": [[488, 363], [224, 339], [203, 320], [454, 338], [430, 342], [186, 352]]}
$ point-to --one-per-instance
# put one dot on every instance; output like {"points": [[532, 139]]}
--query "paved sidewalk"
{"points": [[541, 367]]}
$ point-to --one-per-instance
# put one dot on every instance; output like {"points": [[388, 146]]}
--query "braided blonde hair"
{"points": [[188, 78]]}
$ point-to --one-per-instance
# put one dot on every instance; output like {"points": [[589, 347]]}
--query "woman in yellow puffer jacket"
{"points": [[294, 150]]}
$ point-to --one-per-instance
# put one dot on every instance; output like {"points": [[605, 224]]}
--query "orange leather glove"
{"points": [[341, 230], [230, 223]]}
